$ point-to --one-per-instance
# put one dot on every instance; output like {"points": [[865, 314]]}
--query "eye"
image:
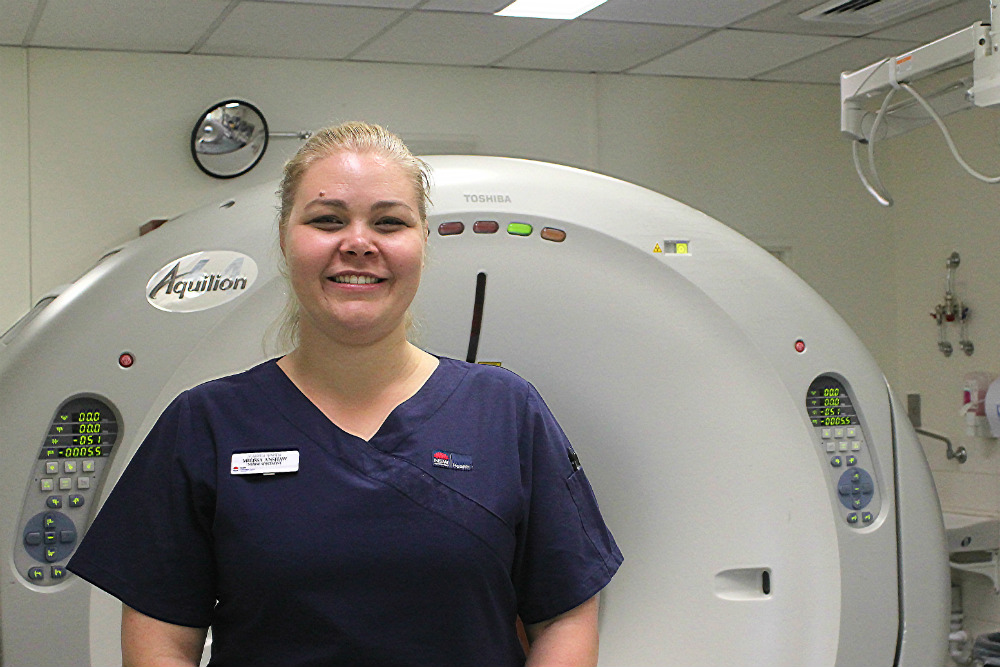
{"points": [[325, 221], [391, 223]]}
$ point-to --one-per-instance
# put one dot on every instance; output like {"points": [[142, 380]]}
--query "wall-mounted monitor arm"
{"points": [[974, 44]]}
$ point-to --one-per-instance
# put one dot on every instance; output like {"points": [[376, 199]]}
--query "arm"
{"points": [[147, 642], [568, 640]]}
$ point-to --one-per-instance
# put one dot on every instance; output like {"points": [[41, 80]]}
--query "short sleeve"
{"points": [[566, 553], [151, 543]]}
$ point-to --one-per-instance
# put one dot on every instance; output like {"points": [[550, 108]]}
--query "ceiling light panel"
{"points": [[549, 9]]}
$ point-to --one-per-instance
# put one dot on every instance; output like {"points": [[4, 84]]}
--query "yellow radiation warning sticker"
{"points": [[673, 248]]}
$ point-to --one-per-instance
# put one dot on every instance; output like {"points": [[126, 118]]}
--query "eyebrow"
{"points": [[341, 204]]}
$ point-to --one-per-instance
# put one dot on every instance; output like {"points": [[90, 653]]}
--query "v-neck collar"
{"points": [[403, 420]]}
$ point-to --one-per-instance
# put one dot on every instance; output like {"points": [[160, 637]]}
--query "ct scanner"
{"points": [[773, 504]]}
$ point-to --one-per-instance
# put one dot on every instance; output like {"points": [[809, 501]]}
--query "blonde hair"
{"points": [[353, 137]]}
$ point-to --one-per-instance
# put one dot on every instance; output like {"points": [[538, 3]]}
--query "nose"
{"points": [[359, 242]]}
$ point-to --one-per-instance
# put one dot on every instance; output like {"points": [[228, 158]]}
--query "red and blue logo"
{"points": [[452, 460]]}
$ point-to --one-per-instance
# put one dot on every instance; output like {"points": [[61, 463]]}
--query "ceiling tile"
{"points": [[380, 4], [16, 20], [446, 38], [746, 54], [943, 22], [136, 25], [826, 67], [679, 12], [477, 6], [296, 30], [784, 17], [600, 46]]}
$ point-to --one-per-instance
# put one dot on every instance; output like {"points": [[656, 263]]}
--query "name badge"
{"points": [[264, 463]]}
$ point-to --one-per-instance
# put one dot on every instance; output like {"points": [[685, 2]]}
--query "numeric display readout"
{"points": [[828, 403], [84, 428]]}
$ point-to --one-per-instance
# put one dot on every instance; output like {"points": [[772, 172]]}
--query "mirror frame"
{"points": [[208, 161]]}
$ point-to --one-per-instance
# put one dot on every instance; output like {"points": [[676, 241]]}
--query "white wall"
{"points": [[15, 269], [939, 209]]}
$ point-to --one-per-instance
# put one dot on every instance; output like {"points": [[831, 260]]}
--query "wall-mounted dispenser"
{"points": [[991, 406], [974, 404]]}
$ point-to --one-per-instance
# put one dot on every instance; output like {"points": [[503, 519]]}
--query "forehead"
{"points": [[358, 175]]}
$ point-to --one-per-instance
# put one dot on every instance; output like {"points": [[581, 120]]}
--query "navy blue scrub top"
{"points": [[419, 547]]}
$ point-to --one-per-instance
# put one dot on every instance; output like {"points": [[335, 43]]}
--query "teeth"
{"points": [[356, 280]]}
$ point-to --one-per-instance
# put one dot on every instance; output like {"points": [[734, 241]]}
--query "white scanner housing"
{"points": [[773, 505]]}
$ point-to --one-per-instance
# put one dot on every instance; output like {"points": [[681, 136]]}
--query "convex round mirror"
{"points": [[229, 139]]}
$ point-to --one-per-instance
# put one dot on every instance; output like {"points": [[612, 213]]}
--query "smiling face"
{"points": [[354, 247]]}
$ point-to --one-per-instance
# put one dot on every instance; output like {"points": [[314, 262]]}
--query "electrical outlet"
{"points": [[913, 409]]}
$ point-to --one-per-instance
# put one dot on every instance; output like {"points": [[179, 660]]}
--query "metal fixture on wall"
{"points": [[230, 139], [952, 310]]}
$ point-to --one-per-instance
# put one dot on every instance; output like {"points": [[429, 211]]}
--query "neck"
{"points": [[355, 373]]}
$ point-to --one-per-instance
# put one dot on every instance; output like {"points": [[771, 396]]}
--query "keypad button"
{"points": [[856, 446], [50, 537], [48, 484], [33, 539], [852, 518], [836, 462], [827, 433], [76, 500], [55, 502], [867, 517], [49, 521], [69, 467], [52, 467], [58, 572], [89, 466], [852, 461], [67, 536], [83, 482], [36, 574], [65, 483], [51, 554]]}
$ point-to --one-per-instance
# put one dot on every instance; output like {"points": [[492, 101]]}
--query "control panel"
{"points": [[841, 438], [65, 480]]}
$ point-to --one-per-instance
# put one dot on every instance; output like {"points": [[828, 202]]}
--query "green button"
{"points": [[519, 229]]}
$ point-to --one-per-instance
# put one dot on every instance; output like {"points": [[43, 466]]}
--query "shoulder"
{"points": [[498, 381], [239, 388]]}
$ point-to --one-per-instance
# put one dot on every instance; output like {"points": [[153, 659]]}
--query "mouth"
{"points": [[355, 279]]}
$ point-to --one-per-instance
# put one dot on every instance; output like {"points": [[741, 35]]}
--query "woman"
{"points": [[357, 501]]}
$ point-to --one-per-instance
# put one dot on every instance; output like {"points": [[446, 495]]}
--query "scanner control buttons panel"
{"points": [[841, 438], [60, 499]]}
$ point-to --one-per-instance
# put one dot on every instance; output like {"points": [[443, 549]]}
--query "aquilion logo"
{"points": [[201, 280]]}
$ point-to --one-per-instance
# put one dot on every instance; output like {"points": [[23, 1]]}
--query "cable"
{"points": [[876, 189], [947, 136], [879, 197]]}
